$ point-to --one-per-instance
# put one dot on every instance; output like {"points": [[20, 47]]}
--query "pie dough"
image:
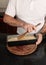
{"points": [[15, 38]]}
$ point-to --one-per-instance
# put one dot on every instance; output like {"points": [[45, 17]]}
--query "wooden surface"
{"points": [[22, 50]]}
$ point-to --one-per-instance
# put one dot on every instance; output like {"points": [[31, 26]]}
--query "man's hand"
{"points": [[39, 40], [28, 27]]}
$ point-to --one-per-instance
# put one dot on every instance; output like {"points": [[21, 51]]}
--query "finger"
{"points": [[34, 28], [39, 40], [30, 29]]}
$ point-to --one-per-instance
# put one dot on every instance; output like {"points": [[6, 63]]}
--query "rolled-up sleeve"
{"points": [[11, 8]]}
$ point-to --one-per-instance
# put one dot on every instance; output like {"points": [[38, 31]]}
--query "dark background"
{"points": [[5, 28]]}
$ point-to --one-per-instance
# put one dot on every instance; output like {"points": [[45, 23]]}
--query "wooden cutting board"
{"points": [[22, 50]]}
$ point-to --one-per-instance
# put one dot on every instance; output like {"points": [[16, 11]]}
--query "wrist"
{"points": [[21, 23]]}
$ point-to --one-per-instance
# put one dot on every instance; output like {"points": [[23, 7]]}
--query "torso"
{"points": [[31, 11]]}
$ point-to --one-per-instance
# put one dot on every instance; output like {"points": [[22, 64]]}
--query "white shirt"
{"points": [[30, 11]]}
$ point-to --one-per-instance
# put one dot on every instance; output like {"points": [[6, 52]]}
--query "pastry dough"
{"points": [[26, 37]]}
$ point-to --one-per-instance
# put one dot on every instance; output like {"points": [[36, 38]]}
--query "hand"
{"points": [[39, 38], [29, 27]]}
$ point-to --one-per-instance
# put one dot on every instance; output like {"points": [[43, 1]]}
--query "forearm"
{"points": [[12, 21]]}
